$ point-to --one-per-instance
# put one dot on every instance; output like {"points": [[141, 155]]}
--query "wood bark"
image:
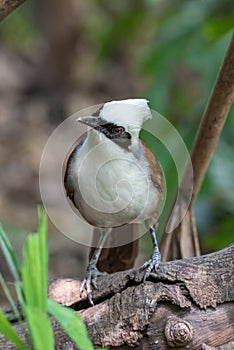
{"points": [[186, 303]]}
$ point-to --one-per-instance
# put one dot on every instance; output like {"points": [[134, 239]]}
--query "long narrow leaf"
{"points": [[72, 324], [35, 266], [35, 280], [9, 297], [9, 332], [9, 254], [40, 328], [31, 273], [43, 250]]}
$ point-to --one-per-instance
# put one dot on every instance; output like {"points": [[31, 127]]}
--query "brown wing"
{"points": [[67, 183], [156, 170], [157, 178]]}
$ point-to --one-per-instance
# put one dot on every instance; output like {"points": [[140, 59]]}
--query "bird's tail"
{"points": [[119, 256]]}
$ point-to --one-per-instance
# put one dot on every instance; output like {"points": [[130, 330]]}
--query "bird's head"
{"points": [[120, 120]]}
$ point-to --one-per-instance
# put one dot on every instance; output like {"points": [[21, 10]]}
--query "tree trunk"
{"points": [[187, 303]]}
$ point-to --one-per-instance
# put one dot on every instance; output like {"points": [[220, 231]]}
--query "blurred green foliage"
{"points": [[31, 284], [19, 29], [173, 51]]}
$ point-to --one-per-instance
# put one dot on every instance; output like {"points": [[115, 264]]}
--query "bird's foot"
{"points": [[151, 264], [89, 281]]}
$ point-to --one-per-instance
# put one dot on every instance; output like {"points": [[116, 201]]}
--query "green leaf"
{"points": [[72, 324], [32, 295], [9, 255], [35, 281], [31, 273], [9, 332], [34, 269], [43, 250], [12, 262], [40, 328], [217, 27], [9, 297]]}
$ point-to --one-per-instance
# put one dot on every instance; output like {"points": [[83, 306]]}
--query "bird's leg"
{"points": [[154, 261], [92, 271]]}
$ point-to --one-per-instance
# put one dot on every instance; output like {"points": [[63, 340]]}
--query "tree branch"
{"points": [[169, 310], [7, 6]]}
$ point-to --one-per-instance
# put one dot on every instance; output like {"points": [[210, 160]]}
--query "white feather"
{"points": [[131, 113]]}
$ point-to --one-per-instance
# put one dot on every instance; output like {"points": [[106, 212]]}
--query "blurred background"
{"points": [[59, 56]]}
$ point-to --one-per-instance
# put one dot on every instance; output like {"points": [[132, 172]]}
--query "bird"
{"points": [[114, 179]]}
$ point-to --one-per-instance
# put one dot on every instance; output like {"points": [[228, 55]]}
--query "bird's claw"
{"points": [[151, 264], [89, 281], [86, 285]]}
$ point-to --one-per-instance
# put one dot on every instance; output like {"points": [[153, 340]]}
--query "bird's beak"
{"points": [[92, 121]]}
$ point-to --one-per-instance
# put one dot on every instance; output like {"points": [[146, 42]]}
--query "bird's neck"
{"points": [[95, 138], [135, 146]]}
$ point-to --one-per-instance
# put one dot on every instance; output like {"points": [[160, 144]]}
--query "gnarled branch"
{"points": [[186, 303]]}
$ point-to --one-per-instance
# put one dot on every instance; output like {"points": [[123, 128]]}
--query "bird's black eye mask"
{"points": [[114, 132]]}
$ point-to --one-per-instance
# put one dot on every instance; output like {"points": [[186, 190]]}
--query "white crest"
{"points": [[130, 112]]}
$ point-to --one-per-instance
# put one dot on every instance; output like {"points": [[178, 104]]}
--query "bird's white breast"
{"points": [[112, 186]]}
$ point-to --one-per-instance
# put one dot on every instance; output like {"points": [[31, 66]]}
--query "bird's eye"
{"points": [[118, 130]]}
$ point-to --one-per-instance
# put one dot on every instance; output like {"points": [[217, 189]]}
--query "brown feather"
{"points": [[67, 183], [156, 170]]}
